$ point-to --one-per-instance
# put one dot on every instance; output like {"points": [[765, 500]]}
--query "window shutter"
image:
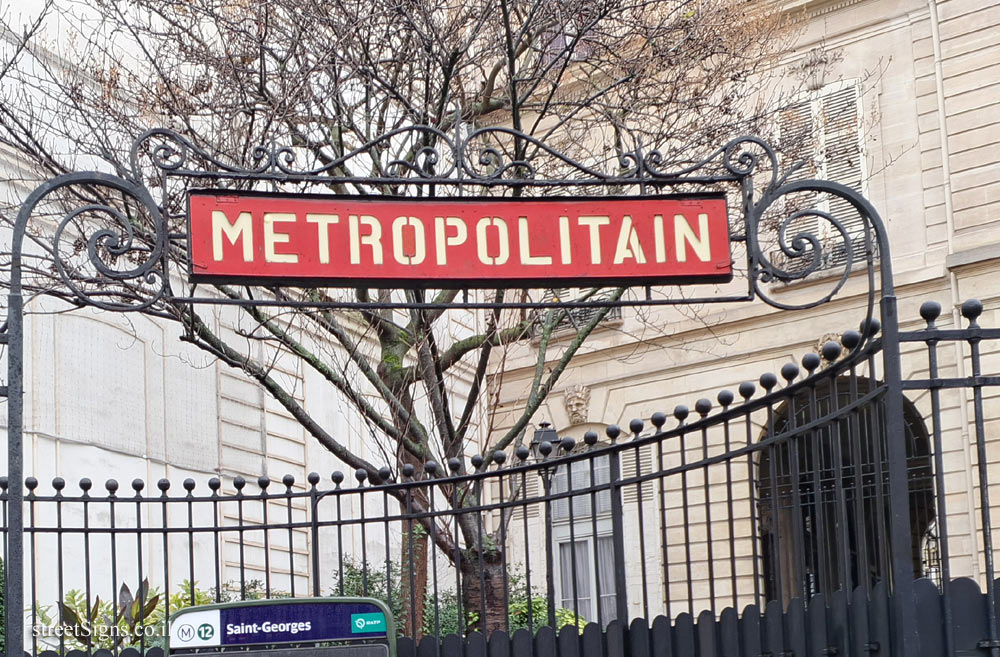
{"points": [[631, 493], [844, 162], [528, 496], [826, 132]]}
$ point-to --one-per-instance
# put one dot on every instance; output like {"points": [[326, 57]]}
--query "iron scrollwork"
{"points": [[109, 252], [776, 247]]}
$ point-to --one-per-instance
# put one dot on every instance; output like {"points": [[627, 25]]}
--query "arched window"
{"points": [[823, 493]]}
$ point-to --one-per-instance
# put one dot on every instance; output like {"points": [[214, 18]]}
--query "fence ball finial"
{"points": [[746, 389], [338, 477], [590, 438], [385, 474], [703, 406], [831, 351], [680, 413], [477, 461], [930, 311], [768, 380], [789, 371], [313, 479], [851, 340], [810, 362], [188, 484], [263, 482], [725, 398], [288, 480], [58, 483], [613, 432], [361, 474], [971, 310], [870, 326], [522, 452], [454, 464]]}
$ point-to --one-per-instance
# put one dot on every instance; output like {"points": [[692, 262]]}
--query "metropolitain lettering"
{"points": [[342, 239]]}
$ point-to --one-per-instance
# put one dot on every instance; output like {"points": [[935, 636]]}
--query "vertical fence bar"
{"points": [[314, 551], [636, 427], [971, 310], [725, 398], [189, 485], [907, 641], [58, 483], [460, 598], [746, 390], [214, 484], [618, 531], [288, 480], [262, 483], [930, 311], [595, 543], [111, 485], [139, 594], [550, 568]]}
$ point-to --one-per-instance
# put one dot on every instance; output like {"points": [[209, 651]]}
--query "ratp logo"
{"points": [[368, 623]]}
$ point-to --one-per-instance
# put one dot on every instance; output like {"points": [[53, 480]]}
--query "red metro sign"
{"points": [[484, 242]]}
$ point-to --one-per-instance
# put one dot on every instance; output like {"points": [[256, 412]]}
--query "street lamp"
{"points": [[544, 435]]}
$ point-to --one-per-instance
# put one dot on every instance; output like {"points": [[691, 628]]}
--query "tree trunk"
{"points": [[413, 571], [484, 586]]}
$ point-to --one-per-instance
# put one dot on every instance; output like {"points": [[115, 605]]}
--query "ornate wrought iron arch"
{"points": [[133, 260]]}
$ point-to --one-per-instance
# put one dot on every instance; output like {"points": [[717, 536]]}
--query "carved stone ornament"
{"points": [[577, 400]]}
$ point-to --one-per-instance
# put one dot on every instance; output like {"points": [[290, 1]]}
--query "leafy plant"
{"points": [[110, 625]]}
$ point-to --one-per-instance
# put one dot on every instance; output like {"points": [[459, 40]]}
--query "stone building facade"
{"points": [[921, 116]]}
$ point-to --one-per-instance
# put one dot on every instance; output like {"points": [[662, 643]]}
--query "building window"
{"points": [[581, 532], [574, 318], [826, 132]]}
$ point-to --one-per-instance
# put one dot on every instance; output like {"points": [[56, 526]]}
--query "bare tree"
{"points": [[590, 78]]}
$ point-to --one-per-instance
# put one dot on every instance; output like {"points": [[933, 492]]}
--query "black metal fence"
{"points": [[758, 522]]}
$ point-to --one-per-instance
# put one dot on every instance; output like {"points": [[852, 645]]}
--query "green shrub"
{"points": [[449, 604]]}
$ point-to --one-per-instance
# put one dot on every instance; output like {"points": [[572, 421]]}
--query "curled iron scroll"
{"points": [[109, 252], [812, 251]]}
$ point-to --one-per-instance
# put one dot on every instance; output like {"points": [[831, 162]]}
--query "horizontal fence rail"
{"points": [[754, 523]]}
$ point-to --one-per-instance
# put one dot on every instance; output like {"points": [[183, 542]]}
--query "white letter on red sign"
{"points": [[373, 239], [323, 222], [594, 223], [241, 228], [661, 245], [272, 237], [564, 246], [628, 244], [683, 236], [501, 226], [523, 240], [420, 247], [441, 225]]}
